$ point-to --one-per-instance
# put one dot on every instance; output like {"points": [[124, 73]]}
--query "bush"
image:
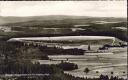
{"points": [[86, 70]]}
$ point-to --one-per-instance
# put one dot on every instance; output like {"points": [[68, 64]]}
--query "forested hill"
{"points": [[61, 25], [72, 19]]}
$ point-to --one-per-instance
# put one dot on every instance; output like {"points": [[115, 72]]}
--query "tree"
{"points": [[86, 70]]}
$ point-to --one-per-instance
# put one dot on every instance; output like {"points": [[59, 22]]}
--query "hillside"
{"points": [[80, 19], [61, 25]]}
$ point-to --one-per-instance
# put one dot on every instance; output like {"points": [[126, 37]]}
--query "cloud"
{"points": [[79, 8]]}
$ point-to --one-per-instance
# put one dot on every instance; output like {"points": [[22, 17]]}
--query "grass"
{"points": [[104, 65]]}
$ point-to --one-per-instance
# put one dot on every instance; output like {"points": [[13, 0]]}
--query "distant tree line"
{"points": [[93, 29], [61, 51]]}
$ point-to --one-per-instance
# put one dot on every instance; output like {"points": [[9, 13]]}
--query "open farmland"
{"points": [[102, 64]]}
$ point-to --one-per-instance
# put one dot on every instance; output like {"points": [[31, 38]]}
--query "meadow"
{"points": [[102, 64]]}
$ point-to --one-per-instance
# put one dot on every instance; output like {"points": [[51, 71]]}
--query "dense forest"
{"points": [[17, 59]]}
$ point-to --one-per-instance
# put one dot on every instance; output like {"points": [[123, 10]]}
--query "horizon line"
{"points": [[68, 15]]}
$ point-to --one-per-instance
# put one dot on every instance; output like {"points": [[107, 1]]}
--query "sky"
{"points": [[76, 8]]}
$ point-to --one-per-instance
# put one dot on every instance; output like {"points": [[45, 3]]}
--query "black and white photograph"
{"points": [[63, 40]]}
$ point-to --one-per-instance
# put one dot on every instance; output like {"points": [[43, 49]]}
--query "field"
{"points": [[67, 40], [102, 64]]}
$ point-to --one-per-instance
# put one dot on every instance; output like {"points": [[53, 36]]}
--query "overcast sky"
{"points": [[78, 8]]}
